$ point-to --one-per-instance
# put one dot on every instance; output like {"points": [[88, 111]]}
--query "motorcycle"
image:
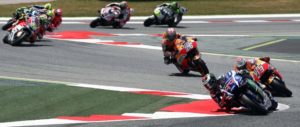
{"points": [[268, 75], [108, 16], [245, 92], [188, 57], [165, 16], [19, 33]]}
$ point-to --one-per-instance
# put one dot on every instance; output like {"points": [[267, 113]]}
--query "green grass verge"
{"points": [[195, 7], [28, 100]]}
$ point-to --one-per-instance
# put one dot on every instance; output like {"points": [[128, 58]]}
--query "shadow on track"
{"points": [[184, 75], [110, 27], [165, 26]]}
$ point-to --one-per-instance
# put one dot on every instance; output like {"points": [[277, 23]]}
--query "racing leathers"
{"points": [[169, 48]]}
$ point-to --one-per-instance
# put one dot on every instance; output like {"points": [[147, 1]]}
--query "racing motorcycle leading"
{"points": [[24, 29], [182, 51], [238, 89], [166, 14], [114, 14]]}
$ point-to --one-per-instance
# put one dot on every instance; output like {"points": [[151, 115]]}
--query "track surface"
{"points": [[144, 68]]}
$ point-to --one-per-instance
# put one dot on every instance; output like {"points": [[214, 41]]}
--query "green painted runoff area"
{"points": [[30, 100]]}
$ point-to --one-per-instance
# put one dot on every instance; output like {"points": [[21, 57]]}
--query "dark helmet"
{"points": [[210, 82], [123, 5], [240, 63], [171, 34]]}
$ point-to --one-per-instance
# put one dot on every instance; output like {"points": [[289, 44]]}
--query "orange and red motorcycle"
{"points": [[188, 57], [268, 75]]}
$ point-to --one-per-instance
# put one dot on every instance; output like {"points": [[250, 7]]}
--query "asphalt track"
{"points": [[143, 68]]}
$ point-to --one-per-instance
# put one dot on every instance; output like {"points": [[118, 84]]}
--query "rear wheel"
{"points": [[280, 88], [171, 23], [95, 23], [149, 21]]}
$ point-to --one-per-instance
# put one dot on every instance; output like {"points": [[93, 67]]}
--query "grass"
{"points": [[28, 100], [195, 7]]}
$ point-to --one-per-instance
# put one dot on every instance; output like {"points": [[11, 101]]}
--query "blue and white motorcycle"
{"points": [[243, 91]]}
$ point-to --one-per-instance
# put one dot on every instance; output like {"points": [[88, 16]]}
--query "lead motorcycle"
{"points": [[165, 16], [188, 57], [244, 92], [108, 16], [18, 33], [268, 75]]}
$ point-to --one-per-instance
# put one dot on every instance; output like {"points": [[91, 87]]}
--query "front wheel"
{"points": [[8, 24], [5, 39], [280, 88], [18, 40], [95, 23]]}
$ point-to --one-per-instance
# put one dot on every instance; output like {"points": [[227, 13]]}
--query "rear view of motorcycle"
{"points": [[237, 90], [111, 16], [165, 16], [271, 78], [188, 57]]}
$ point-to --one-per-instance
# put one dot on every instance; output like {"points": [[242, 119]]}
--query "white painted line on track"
{"points": [[250, 21], [40, 122]]}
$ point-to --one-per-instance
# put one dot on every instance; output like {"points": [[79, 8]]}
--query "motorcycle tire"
{"points": [[280, 88], [116, 25], [5, 39], [18, 40], [201, 65], [95, 23], [253, 104], [148, 22], [7, 25], [171, 23]]}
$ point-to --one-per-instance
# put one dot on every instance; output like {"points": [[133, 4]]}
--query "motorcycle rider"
{"points": [[168, 45], [174, 6], [46, 15], [222, 95], [125, 12]]}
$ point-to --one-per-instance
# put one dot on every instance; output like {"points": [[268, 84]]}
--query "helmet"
{"points": [[50, 13], [174, 5], [48, 6], [240, 63], [210, 82], [58, 12], [171, 34], [123, 5]]}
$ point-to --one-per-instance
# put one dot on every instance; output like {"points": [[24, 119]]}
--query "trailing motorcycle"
{"points": [[244, 92], [188, 57], [165, 16], [268, 75]]}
